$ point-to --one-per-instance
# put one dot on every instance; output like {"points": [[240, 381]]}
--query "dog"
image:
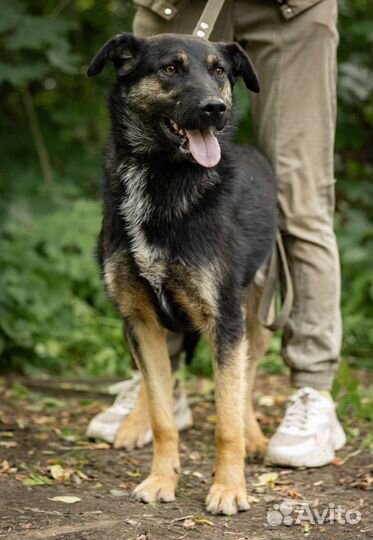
{"points": [[188, 220]]}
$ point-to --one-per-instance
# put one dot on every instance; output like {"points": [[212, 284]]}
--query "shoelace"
{"points": [[300, 410]]}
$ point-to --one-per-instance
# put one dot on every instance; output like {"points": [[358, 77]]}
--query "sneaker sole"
{"points": [[318, 460]]}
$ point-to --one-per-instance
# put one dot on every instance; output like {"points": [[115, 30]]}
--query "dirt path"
{"points": [[42, 437]]}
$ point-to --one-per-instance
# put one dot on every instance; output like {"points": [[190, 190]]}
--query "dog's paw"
{"points": [[256, 445], [227, 500], [156, 488], [134, 432]]}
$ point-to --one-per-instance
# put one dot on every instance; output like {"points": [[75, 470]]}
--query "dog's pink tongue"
{"points": [[204, 147]]}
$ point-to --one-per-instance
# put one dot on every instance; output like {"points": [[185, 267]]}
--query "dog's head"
{"points": [[178, 87]]}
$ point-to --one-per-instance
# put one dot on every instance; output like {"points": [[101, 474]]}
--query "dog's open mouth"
{"points": [[201, 143]]}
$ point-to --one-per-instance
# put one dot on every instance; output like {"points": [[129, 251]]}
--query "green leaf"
{"points": [[11, 14], [63, 60], [37, 33], [37, 479], [20, 74]]}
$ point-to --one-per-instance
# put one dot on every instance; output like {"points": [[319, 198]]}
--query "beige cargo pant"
{"points": [[293, 47]]}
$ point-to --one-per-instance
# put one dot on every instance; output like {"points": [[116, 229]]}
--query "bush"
{"points": [[53, 310]]}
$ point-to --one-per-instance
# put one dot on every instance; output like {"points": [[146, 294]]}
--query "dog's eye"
{"points": [[219, 71], [170, 69]]}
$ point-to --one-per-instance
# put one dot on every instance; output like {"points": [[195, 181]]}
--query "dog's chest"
{"points": [[182, 296], [186, 296], [177, 288], [140, 213]]}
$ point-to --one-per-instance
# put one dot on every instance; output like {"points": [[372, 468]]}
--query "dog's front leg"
{"points": [[228, 492], [149, 347]]}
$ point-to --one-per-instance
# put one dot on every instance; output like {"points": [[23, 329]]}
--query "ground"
{"points": [[44, 454]]}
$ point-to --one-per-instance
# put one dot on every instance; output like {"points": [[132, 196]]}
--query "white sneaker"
{"points": [[309, 433], [106, 424]]}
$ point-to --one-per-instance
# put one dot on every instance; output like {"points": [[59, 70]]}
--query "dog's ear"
{"points": [[241, 64], [123, 50]]}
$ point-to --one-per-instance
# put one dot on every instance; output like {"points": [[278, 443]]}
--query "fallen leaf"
{"points": [[58, 473], [8, 444], [267, 479], [42, 420], [68, 499], [211, 419], [195, 456], [134, 474], [306, 529], [41, 436], [36, 479], [289, 491], [82, 475], [251, 499], [197, 474], [266, 401], [100, 446], [4, 466], [203, 521]]}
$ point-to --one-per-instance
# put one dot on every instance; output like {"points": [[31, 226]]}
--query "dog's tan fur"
{"points": [[149, 90]]}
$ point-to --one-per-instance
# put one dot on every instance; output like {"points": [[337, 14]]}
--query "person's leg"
{"points": [[294, 118]]}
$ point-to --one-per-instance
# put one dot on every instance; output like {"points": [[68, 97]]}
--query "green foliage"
{"points": [[355, 237], [354, 401], [33, 45], [355, 174], [53, 310]]}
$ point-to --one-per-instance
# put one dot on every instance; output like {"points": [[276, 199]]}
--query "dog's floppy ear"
{"points": [[241, 64], [123, 50]]}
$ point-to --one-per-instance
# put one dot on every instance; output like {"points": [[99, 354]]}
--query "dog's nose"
{"points": [[213, 106]]}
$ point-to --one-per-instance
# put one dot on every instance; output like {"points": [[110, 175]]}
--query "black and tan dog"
{"points": [[188, 220]]}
